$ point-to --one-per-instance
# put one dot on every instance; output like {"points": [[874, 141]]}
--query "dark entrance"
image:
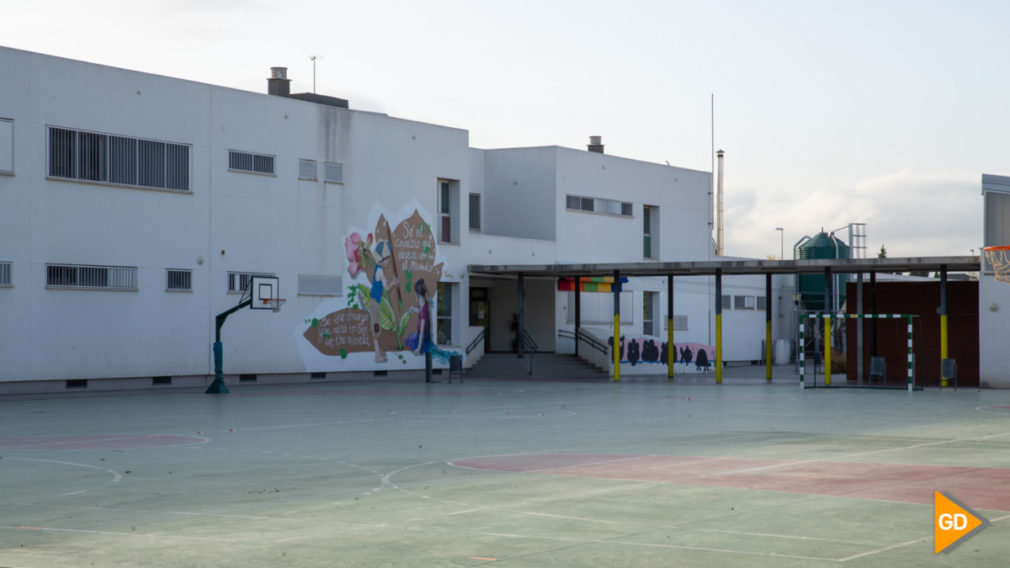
{"points": [[480, 313]]}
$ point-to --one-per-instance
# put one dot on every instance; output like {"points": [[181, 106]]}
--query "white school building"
{"points": [[135, 207]]}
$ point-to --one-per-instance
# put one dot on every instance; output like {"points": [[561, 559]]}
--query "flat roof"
{"points": [[736, 267]]}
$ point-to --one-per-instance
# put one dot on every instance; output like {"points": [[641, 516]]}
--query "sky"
{"points": [[882, 112]]}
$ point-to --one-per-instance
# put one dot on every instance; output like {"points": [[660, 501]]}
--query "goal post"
{"points": [[829, 319]]}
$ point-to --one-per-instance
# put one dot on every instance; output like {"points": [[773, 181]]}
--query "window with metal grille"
{"points": [[475, 212], [118, 160], [249, 162], [319, 285], [761, 303], [727, 302], [598, 205], [333, 172], [5, 274], [6, 146], [679, 322], [239, 281], [179, 280], [743, 302], [91, 277], [307, 170]]}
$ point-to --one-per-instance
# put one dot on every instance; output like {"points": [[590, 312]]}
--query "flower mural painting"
{"points": [[382, 303], [353, 246]]}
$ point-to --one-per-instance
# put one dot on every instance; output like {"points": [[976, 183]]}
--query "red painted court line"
{"points": [[980, 487]]}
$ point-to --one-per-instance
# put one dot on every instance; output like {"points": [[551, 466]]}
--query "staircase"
{"points": [[546, 366]]}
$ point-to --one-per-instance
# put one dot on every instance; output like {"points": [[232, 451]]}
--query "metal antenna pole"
{"points": [[313, 58]]}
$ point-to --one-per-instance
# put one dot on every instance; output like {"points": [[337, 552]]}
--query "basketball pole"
{"points": [[218, 386]]}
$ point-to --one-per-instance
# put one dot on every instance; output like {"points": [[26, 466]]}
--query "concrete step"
{"points": [[545, 366]]}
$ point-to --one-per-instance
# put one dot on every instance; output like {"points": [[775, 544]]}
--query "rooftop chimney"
{"points": [[278, 83], [595, 144]]}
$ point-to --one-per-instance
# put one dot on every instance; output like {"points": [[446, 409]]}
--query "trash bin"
{"points": [[456, 366]]}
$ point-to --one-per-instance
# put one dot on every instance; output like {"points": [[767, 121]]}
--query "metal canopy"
{"points": [[736, 267]]}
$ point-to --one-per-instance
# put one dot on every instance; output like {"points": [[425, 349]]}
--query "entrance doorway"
{"points": [[480, 315]]}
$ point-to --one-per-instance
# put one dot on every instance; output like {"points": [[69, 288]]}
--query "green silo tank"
{"points": [[811, 286]]}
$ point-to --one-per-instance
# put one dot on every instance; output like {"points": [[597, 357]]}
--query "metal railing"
{"points": [[589, 340], [476, 341], [527, 345], [592, 342]]}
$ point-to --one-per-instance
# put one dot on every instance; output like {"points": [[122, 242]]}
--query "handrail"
{"points": [[527, 345], [592, 342], [476, 341]]}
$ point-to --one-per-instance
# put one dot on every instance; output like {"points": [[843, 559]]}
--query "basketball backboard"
{"points": [[264, 291]]}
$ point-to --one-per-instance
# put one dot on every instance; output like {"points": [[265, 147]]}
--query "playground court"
{"points": [[396, 472]]}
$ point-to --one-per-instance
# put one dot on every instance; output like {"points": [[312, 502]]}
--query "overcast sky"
{"points": [[880, 112]]}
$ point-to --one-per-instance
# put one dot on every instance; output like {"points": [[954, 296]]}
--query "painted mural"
{"points": [[652, 350], [385, 314]]}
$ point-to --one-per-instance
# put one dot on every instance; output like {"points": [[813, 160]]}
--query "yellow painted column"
{"points": [[827, 350], [768, 327], [617, 348], [944, 338], [670, 351], [718, 326], [768, 350], [617, 326], [943, 348]]}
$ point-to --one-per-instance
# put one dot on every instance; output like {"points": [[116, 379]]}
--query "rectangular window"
{"points": [[121, 160], [650, 307], [238, 282], [91, 277], [743, 303], [5, 274], [333, 172], [444, 319], [448, 211], [319, 285], [598, 205], [249, 162], [6, 146], [475, 212], [179, 280], [650, 231], [307, 170], [727, 302], [762, 303]]}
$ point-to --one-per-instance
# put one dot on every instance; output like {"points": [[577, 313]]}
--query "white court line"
{"points": [[879, 550], [857, 454], [796, 537], [120, 533]]}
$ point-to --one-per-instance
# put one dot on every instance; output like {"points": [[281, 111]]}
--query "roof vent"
{"points": [[595, 144], [278, 83]]}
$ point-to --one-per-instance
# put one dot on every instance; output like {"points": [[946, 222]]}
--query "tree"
{"points": [[882, 253]]}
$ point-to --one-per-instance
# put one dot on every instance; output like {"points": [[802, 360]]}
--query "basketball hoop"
{"points": [[273, 303], [999, 260]]}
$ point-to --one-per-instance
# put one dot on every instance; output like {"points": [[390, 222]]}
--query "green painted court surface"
{"points": [[507, 473]]}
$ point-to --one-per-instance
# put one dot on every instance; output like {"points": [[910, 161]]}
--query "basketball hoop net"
{"points": [[273, 303], [999, 260]]}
